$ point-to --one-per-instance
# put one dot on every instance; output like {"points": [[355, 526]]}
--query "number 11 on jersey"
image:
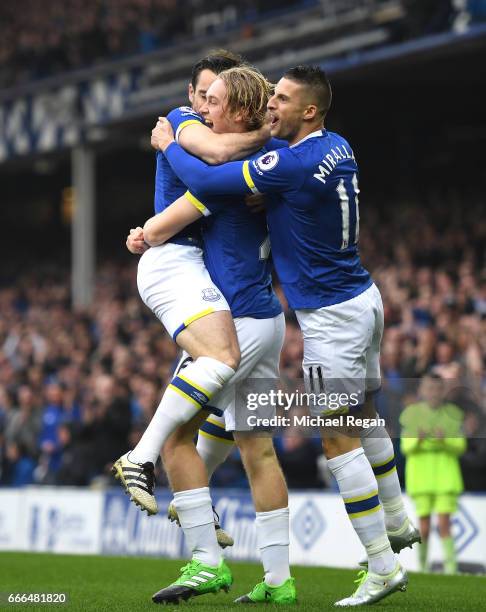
{"points": [[344, 202]]}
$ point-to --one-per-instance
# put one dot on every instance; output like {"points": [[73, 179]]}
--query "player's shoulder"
{"points": [[276, 164], [183, 113], [336, 139]]}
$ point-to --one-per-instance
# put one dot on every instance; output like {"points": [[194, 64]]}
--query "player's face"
{"points": [[215, 112], [287, 107], [198, 96]]}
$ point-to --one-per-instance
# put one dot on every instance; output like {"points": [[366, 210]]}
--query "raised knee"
{"points": [[231, 357]]}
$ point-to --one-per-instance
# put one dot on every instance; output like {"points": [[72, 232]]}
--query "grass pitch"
{"points": [[114, 583]]}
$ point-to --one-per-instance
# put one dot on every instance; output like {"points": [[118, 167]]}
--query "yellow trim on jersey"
{"points": [[350, 500], [247, 177], [213, 422], [364, 512], [211, 437], [183, 125], [197, 316], [378, 476], [375, 465], [185, 396], [197, 203], [198, 387]]}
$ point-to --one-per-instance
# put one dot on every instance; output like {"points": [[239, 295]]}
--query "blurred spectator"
{"points": [[22, 425], [18, 469], [433, 441], [106, 422]]}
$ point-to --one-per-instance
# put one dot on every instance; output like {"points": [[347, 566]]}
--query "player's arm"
{"points": [[272, 172], [171, 221], [201, 141], [198, 139]]}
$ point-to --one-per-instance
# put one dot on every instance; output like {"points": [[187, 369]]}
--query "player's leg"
{"points": [[267, 483], [378, 446], [206, 572], [212, 366], [270, 497], [214, 444], [197, 316], [335, 342]]}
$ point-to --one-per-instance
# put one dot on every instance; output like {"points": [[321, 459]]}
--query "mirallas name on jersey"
{"points": [[330, 161]]}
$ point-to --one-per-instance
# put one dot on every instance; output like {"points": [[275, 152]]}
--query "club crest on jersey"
{"points": [[187, 110], [210, 295], [268, 161]]}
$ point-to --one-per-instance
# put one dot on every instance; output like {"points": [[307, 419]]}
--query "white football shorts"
{"points": [[261, 342], [175, 284], [342, 349]]}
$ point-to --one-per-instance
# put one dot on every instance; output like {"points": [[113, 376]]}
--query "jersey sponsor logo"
{"points": [[268, 161], [210, 295]]}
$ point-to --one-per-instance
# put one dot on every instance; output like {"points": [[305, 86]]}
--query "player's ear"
{"points": [[190, 93], [310, 112], [240, 116]]}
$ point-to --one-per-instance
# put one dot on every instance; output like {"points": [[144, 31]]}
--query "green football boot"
{"points": [[195, 579], [263, 593]]}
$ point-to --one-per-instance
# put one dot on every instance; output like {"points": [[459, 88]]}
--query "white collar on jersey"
{"points": [[311, 135]]}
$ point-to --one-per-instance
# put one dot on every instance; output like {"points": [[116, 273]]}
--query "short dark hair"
{"points": [[316, 79], [217, 61]]}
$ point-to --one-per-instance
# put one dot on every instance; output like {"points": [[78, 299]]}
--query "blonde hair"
{"points": [[247, 91]]}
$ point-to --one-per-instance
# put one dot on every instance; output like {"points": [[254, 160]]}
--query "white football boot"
{"points": [[138, 480], [374, 587]]}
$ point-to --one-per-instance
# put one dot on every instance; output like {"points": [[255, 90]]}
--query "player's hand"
{"points": [[135, 242], [162, 135], [255, 202]]}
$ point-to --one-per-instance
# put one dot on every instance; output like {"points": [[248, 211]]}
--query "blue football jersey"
{"points": [[237, 255], [168, 186], [313, 213]]}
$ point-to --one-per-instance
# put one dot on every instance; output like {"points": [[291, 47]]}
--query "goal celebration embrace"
{"points": [[249, 181]]}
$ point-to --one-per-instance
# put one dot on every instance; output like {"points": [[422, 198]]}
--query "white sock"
{"points": [[359, 490], [187, 393], [214, 443], [195, 512], [273, 541], [379, 451]]}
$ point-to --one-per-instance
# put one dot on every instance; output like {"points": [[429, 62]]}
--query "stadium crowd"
{"points": [[39, 39], [78, 388]]}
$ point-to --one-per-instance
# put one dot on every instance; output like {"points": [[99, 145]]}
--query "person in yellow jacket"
{"points": [[432, 442]]}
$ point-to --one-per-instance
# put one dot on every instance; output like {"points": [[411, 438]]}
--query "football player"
{"points": [[186, 301], [236, 255]]}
